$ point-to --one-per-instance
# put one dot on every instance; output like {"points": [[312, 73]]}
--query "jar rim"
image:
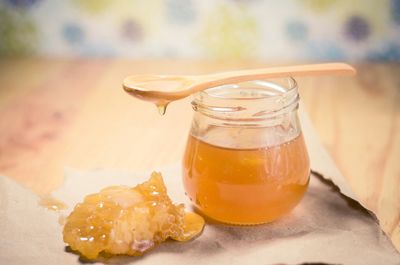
{"points": [[292, 85], [250, 101]]}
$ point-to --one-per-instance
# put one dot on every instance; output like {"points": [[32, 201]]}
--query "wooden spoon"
{"points": [[162, 89]]}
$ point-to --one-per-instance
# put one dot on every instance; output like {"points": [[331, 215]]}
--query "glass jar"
{"points": [[245, 160]]}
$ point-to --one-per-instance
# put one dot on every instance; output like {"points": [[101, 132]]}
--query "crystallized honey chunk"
{"points": [[124, 220]]}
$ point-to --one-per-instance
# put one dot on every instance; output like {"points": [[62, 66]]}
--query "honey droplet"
{"points": [[193, 224], [162, 108], [51, 203]]}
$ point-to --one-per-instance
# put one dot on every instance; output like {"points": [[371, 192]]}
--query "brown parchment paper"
{"points": [[327, 226]]}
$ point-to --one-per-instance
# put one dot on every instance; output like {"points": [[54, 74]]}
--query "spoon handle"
{"points": [[282, 71]]}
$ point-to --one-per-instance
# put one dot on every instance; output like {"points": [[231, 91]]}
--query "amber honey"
{"points": [[246, 186], [124, 220]]}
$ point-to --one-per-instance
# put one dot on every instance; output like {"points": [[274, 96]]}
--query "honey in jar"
{"points": [[246, 161]]}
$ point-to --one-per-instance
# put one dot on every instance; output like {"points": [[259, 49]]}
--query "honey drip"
{"points": [[124, 220], [162, 108]]}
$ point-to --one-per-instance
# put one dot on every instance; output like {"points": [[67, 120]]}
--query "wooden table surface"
{"points": [[73, 112]]}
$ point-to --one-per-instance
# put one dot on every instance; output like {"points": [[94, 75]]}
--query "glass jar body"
{"points": [[245, 160]]}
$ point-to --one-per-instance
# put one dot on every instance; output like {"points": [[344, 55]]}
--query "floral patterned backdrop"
{"points": [[268, 29]]}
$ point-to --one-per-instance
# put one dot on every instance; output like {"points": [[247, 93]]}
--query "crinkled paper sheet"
{"points": [[326, 227]]}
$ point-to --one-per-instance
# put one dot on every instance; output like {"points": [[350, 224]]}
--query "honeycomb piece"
{"points": [[124, 220]]}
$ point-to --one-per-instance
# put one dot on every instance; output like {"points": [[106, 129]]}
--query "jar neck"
{"points": [[254, 103]]}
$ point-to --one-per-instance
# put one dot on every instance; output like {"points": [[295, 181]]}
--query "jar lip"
{"points": [[250, 101], [292, 85]]}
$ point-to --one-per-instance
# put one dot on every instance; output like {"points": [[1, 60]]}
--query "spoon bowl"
{"points": [[156, 87]]}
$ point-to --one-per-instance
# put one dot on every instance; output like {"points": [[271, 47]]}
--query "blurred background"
{"points": [[286, 30], [60, 105]]}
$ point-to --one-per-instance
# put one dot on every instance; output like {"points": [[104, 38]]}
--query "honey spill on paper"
{"points": [[130, 221], [52, 203]]}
